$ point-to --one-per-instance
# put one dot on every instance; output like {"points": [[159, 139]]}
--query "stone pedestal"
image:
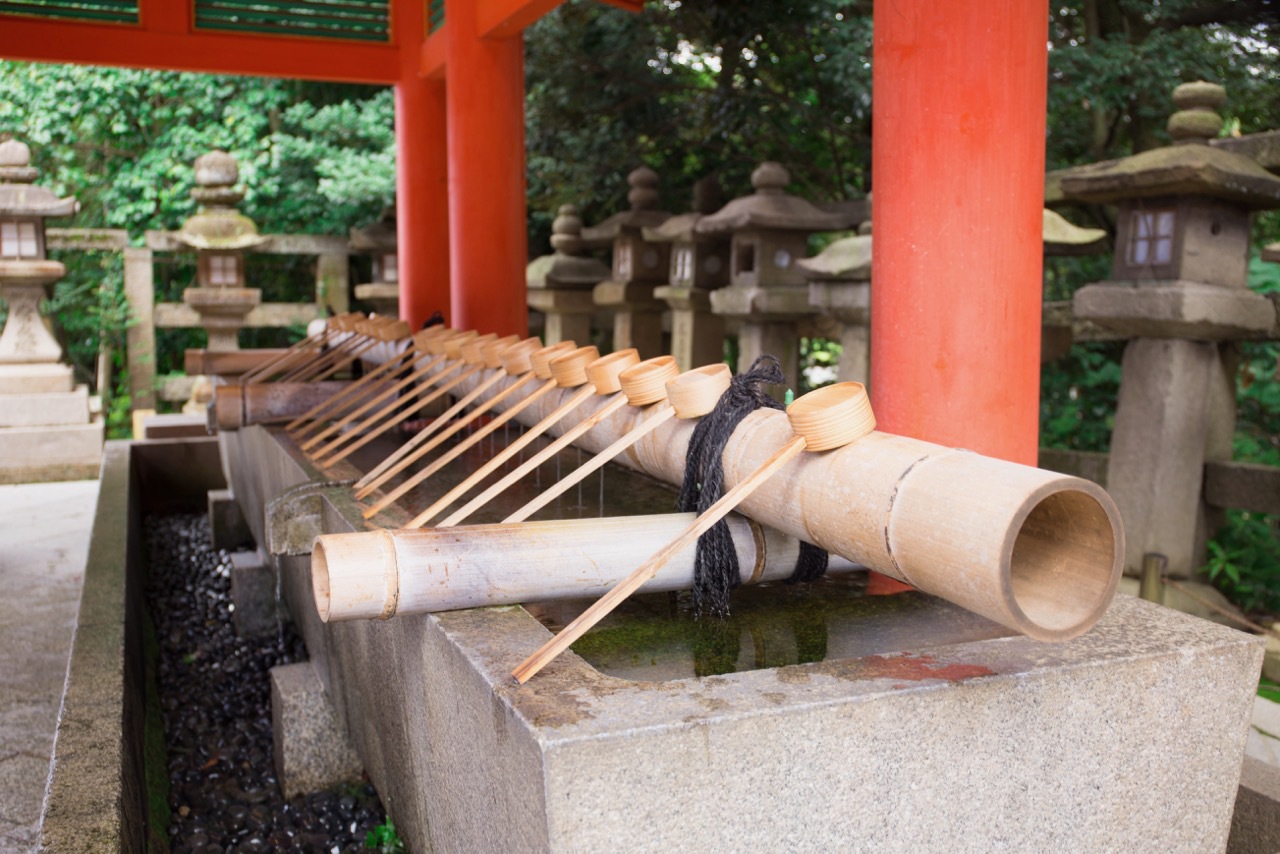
{"points": [[45, 430], [697, 335], [568, 314], [768, 318], [311, 749], [849, 303], [222, 313], [637, 315]]}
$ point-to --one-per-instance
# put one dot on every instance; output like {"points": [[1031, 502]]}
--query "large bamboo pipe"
{"points": [[381, 574], [1036, 551]]}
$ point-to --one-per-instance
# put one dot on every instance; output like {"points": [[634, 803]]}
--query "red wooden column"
{"points": [[422, 205], [488, 243], [958, 168]]}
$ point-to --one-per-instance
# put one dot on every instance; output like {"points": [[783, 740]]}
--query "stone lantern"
{"points": [[639, 266], [45, 431], [220, 235], [840, 285], [1179, 291], [767, 290], [378, 241], [699, 265], [559, 284]]}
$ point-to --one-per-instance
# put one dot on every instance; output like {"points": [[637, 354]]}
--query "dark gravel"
{"points": [[215, 697]]}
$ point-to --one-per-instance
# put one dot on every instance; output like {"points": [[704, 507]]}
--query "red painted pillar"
{"points": [[958, 171], [488, 243], [422, 205]]}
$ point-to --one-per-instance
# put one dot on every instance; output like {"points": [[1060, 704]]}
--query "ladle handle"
{"points": [[605, 604], [347, 397], [392, 465], [417, 379], [502, 456], [626, 440], [565, 439]]}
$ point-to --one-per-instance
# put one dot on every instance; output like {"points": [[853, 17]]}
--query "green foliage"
{"points": [[384, 839], [1078, 398], [1244, 560], [314, 158]]}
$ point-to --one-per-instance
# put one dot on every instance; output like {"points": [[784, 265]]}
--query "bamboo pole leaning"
{"points": [[584, 369], [496, 355], [824, 419], [303, 349], [539, 361]]}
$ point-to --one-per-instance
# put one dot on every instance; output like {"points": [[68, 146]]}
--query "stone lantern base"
{"points": [[45, 431]]}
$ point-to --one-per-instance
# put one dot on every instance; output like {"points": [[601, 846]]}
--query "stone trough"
{"points": [[1128, 738]]}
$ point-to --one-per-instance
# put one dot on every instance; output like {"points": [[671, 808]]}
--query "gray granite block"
{"points": [[311, 749], [253, 593]]}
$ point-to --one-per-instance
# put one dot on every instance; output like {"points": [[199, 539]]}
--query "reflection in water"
{"points": [[655, 637]]}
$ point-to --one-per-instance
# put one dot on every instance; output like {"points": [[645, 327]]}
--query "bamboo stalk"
{"points": [[514, 360], [573, 369], [823, 419], [379, 574]]}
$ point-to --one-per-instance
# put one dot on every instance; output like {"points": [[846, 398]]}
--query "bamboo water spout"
{"points": [[539, 361], [389, 573], [822, 420], [496, 354], [1036, 551]]}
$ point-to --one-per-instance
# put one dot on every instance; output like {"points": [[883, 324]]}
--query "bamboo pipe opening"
{"points": [[1064, 565]]}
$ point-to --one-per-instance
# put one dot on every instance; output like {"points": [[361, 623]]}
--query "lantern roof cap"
{"points": [[771, 207], [1188, 167], [18, 195], [846, 258], [707, 198]]}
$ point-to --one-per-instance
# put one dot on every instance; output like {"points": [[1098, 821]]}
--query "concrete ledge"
{"points": [[37, 410], [38, 454], [95, 799], [1255, 826]]}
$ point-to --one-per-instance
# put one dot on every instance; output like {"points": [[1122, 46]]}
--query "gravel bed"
{"points": [[215, 698]]}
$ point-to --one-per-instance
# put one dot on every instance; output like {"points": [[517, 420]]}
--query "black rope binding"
{"points": [[715, 568]]}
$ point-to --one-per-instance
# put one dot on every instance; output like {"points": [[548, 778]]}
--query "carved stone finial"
{"points": [[644, 189], [566, 230], [770, 177], [1197, 119], [216, 176], [15, 162]]}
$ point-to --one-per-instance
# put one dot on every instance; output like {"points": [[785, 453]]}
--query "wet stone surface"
{"points": [[215, 700]]}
